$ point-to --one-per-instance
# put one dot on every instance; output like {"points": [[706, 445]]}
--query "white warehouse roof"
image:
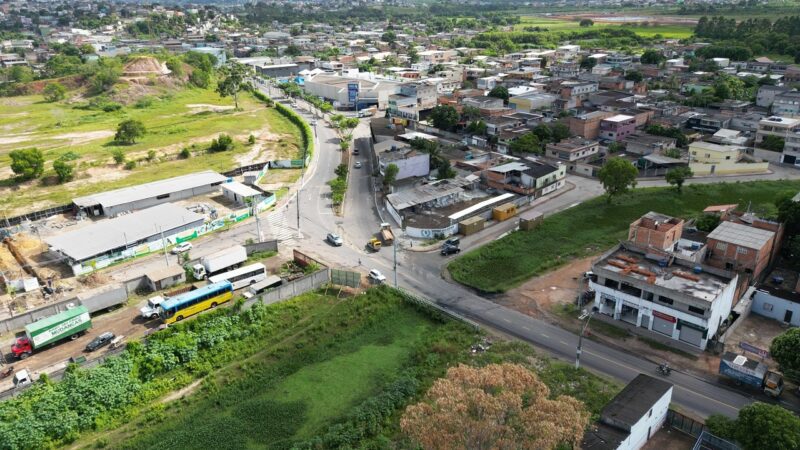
{"points": [[106, 235], [149, 190]]}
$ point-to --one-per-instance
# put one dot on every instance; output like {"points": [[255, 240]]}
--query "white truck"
{"points": [[219, 262], [150, 310]]}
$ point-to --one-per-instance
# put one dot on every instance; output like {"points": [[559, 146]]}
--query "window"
{"points": [[648, 296], [696, 310], [722, 246], [162, 196], [767, 306], [728, 157], [666, 300], [613, 284], [708, 155], [650, 413], [741, 250]]}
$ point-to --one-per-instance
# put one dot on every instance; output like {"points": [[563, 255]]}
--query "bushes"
{"points": [[305, 130], [221, 144]]}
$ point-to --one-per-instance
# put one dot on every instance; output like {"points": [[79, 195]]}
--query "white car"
{"points": [[358, 165], [376, 276], [181, 248]]}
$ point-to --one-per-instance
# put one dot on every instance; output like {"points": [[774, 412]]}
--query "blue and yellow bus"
{"points": [[190, 303]]}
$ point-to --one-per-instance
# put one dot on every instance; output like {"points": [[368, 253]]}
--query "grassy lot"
{"points": [[58, 128], [594, 226], [325, 370], [667, 31]]}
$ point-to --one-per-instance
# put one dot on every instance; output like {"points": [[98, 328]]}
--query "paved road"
{"points": [[420, 272]]}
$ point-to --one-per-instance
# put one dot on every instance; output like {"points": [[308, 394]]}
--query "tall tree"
{"points": [[499, 92], [390, 174], [233, 80], [785, 349], [760, 426], [618, 176], [444, 117], [497, 406], [28, 163], [54, 92], [678, 176], [789, 213], [129, 131], [527, 143]]}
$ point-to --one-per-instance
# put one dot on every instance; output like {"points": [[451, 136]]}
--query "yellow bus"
{"points": [[181, 306]]}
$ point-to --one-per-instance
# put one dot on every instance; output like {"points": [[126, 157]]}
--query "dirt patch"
{"points": [[538, 296], [143, 66], [188, 390], [757, 331], [203, 107], [86, 136], [15, 138]]}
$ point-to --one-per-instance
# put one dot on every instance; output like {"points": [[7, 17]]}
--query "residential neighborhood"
{"points": [[393, 224]]}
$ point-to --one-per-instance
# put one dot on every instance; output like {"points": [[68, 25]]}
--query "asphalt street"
{"points": [[420, 272]]}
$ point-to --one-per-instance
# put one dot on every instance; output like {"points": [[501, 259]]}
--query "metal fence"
{"points": [[707, 441], [686, 424], [428, 303], [249, 168], [36, 215]]}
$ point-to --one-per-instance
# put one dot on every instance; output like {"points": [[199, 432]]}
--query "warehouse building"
{"points": [[98, 245], [146, 195]]}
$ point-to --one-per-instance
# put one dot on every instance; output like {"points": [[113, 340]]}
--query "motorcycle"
{"points": [[664, 369], [7, 372]]}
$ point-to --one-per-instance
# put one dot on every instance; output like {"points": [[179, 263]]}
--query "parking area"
{"points": [[756, 331]]}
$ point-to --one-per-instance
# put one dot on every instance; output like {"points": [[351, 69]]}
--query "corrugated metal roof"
{"points": [[149, 190], [109, 234], [240, 189], [741, 235]]}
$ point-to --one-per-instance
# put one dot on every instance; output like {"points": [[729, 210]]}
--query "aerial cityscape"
{"points": [[397, 224]]}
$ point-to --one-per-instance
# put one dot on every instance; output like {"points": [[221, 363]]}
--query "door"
{"points": [[645, 321], [789, 159], [713, 167], [691, 335], [663, 326], [788, 316]]}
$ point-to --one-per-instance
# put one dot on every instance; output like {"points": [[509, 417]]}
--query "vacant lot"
{"points": [[174, 119], [645, 27], [321, 372], [595, 226]]}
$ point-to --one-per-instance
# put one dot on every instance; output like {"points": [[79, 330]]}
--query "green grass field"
{"points": [[321, 364], [594, 226], [668, 31], [173, 121]]}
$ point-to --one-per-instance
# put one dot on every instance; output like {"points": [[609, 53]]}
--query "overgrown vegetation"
{"points": [[314, 372], [595, 226]]}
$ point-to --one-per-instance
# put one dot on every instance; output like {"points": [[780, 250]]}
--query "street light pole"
{"points": [[588, 316], [394, 248]]}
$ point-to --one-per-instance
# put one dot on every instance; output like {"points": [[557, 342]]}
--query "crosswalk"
{"points": [[276, 226]]}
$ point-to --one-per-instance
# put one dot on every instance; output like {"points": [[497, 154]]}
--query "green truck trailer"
{"points": [[67, 324]]}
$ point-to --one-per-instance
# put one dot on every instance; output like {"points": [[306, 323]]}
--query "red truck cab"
{"points": [[22, 348]]}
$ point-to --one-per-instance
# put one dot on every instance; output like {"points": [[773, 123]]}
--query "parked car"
{"points": [[376, 276], [357, 165], [100, 341], [453, 242], [335, 239], [450, 250], [183, 247]]}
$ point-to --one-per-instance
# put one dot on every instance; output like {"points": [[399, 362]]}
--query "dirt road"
{"points": [[122, 322]]}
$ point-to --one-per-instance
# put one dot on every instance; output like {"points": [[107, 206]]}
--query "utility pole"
{"points": [[394, 247], [588, 316], [164, 245], [258, 222]]}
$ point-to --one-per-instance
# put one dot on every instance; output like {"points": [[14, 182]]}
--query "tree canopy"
{"points": [[54, 92], [785, 349], [444, 117], [678, 176], [28, 163], [129, 131], [618, 176], [499, 92], [233, 79], [759, 426], [497, 406], [527, 143]]}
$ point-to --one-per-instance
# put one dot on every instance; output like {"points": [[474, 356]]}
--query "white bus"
{"points": [[242, 277]]}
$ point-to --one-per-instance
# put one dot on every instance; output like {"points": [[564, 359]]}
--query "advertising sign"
{"points": [[352, 93], [753, 349]]}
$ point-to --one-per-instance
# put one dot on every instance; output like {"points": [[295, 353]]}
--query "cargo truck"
{"points": [[219, 262], [67, 324], [749, 372], [386, 234]]}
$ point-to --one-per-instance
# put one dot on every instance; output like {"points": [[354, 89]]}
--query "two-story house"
{"points": [[785, 128], [617, 128]]}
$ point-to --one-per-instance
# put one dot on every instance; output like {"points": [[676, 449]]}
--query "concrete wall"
{"points": [[728, 168], [292, 289], [767, 155], [19, 321], [266, 246]]}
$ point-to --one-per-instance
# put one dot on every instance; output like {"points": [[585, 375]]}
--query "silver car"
{"points": [[335, 239]]}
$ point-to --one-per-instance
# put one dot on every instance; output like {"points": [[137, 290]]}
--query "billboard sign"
{"points": [[352, 93], [753, 349]]}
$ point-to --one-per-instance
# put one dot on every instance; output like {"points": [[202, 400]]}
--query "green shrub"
{"points": [[221, 144], [130, 165]]}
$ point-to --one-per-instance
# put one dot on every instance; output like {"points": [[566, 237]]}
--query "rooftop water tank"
{"points": [[697, 269]]}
